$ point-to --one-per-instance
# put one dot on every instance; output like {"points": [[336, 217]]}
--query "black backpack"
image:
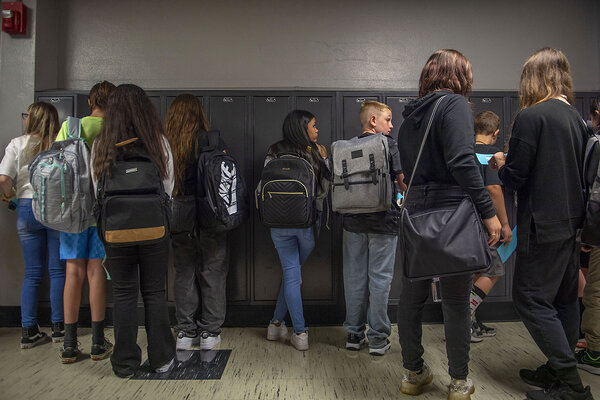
{"points": [[132, 206], [590, 233], [220, 189], [286, 195]]}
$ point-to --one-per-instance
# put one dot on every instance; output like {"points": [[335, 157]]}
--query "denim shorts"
{"points": [[86, 245]]}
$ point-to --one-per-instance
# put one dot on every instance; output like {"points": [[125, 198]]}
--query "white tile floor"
{"points": [[259, 369]]}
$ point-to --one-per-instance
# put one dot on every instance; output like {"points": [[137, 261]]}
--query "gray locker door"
{"points": [[579, 105], [397, 103], [268, 113], [350, 115], [229, 115], [64, 105], [496, 105], [157, 102], [318, 274]]}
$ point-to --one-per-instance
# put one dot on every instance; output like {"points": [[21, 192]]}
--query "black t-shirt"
{"points": [[189, 179], [490, 177]]}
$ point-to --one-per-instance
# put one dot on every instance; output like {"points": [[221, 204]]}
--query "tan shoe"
{"points": [[413, 382], [461, 389]]}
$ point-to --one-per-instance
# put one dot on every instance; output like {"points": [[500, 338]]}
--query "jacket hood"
{"points": [[415, 111]]}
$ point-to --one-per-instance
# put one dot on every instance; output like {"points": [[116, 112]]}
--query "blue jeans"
{"points": [[368, 272], [39, 244], [294, 247]]}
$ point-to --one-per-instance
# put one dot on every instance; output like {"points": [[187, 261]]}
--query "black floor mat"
{"points": [[190, 364]]}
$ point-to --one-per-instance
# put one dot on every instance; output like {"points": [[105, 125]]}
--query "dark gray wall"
{"points": [[316, 44]]}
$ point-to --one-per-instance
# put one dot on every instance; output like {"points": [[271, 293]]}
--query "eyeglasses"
{"points": [[24, 116]]}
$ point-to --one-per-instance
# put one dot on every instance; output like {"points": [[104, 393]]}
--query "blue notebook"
{"points": [[505, 251]]}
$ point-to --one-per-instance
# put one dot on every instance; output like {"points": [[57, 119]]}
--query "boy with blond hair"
{"points": [[369, 247]]}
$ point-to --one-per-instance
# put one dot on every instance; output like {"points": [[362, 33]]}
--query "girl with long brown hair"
{"points": [[40, 244], [200, 258], [447, 173], [544, 165], [140, 267]]}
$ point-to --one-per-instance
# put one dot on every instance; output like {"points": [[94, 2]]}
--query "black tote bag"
{"points": [[442, 241]]}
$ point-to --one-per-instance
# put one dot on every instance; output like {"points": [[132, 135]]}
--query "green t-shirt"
{"points": [[90, 127]]}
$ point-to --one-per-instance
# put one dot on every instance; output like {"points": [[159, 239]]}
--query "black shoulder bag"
{"points": [[441, 241]]}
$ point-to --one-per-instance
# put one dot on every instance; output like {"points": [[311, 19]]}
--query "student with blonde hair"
{"points": [[369, 248], [40, 244], [544, 164]]}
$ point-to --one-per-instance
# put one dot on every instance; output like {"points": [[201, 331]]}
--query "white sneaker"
{"points": [[165, 368], [186, 341], [276, 332], [413, 382], [300, 341], [381, 350], [209, 340], [461, 389]]}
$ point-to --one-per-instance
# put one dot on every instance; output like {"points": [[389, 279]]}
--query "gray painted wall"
{"points": [[273, 44], [316, 43]]}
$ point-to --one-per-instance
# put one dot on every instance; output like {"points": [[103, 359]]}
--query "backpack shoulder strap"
{"points": [[73, 127]]}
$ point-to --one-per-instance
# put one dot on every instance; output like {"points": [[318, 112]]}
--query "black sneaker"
{"points": [[101, 351], [379, 351], [560, 392], [58, 332], [484, 330], [32, 336], [589, 360], [355, 342], [543, 377], [68, 355]]}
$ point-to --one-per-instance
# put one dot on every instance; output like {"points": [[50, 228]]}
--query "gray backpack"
{"points": [[63, 196], [361, 175]]}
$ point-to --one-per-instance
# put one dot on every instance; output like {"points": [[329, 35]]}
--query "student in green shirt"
{"points": [[84, 253]]}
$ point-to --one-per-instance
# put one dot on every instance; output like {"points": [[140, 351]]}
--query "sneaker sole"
{"points": [[476, 339], [209, 346], [461, 396], [356, 346], [98, 357], [589, 368], [276, 337], [25, 346], [185, 346], [381, 351], [413, 389], [68, 360]]}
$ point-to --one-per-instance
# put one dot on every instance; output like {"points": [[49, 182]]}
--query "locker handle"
{"points": [[314, 100], [55, 100], [360, 100], [486, 100], [227, 99], [271, 100], [403, 99]]}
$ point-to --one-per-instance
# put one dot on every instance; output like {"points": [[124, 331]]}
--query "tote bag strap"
{"points": [[435, 107]]}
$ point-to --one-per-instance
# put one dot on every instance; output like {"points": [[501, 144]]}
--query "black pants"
{"points": [[201, 266], [133, 269], [455, 291], [545, 288]]}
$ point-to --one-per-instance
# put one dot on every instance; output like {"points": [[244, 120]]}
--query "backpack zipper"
{"points": [[284, 180], [272, 193]]}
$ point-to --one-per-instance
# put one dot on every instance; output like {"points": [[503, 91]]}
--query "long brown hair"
{"points": [[546, 74], [185, 119], [446, 69], [129, 114], [42, 121]]}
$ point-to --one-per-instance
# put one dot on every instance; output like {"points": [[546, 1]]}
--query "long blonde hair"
{"points": [[185, 119], [546, 74], [43, 121]]}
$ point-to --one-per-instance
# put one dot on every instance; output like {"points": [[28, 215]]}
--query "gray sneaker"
{"points": [[461, 389], [300, 341], [277, 331], [209, 340], [379, 351], [413, 382], [187, 339]]}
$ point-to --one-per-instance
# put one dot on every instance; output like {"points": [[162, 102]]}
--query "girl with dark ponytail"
{"points": [[294, 245]]}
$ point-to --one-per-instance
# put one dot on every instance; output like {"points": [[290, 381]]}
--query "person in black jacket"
{"points": [[200, 258], [447, 172], [545, 166]]}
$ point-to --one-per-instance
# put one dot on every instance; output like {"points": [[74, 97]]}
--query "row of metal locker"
{"points": [[250, 121]]}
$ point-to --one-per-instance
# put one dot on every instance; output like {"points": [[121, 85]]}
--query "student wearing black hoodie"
{"points": [[447, 172], [545, 166]]}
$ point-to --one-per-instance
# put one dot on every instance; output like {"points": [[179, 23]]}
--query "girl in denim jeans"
{"points": [[38, 242], [294, 245]]}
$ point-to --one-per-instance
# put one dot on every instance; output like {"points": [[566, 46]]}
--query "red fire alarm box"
{"points": [[14, 17]]}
